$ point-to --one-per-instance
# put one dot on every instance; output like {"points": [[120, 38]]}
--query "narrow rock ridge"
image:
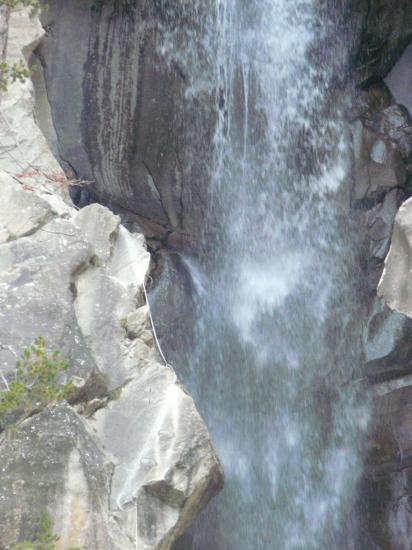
{"points": [[128, 463]]}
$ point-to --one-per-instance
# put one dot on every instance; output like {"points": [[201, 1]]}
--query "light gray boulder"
{"points": [[24, 214], [386, 342], [379, 223], [395, 285], [73, 281], [37, 273]]}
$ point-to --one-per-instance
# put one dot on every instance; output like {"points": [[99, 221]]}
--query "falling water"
{"points": [[275, 356]]}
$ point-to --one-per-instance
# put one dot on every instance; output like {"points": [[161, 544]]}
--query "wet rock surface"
{"points": [[382, 148]]}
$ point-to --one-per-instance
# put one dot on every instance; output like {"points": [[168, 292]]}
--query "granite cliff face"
{"points": [[128, 462], [128, 126], [114, 103]]}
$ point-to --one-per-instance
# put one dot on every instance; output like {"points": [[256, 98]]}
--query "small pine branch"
{"points": [[36, 383], [44, 539], [13, 73], [13, 4]]}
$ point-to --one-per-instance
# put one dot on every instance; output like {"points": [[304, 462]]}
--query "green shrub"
{"points": [[44, 539], [11, 73], [16, 71], [36, 383], [13, 4]]}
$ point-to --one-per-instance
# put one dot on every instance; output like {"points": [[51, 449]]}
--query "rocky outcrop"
{"points": [[383, 170], [382, 139], [386, 485], [128, 462], [382, 175]]}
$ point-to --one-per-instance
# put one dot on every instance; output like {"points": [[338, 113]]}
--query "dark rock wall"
{"points": [[117, 96], [381, 30], [382, 182]]}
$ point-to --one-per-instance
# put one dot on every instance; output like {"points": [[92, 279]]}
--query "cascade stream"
{"points": [[275, 358], [251, 161]]}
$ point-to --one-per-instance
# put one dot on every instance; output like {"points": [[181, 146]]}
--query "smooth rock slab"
{"points": [[165, 467], [395, 285]]}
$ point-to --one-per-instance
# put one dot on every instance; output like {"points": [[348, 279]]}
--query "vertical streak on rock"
{"points": [[119, 113]]}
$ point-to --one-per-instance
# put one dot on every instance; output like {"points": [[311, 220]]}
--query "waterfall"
{"points": [[276, 355]]}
